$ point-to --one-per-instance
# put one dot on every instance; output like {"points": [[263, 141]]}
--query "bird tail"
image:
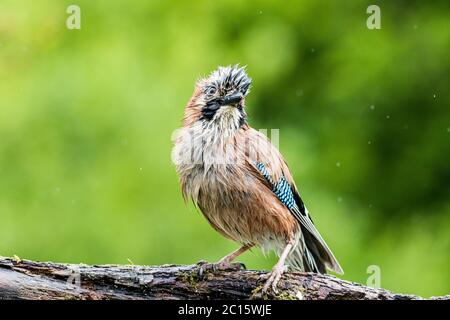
{"points": [[312, 255]]}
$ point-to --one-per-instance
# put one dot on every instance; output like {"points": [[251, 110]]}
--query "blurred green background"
{"points": [[86, 118]]}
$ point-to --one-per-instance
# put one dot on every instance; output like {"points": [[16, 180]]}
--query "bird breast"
{"points": [[206, 158], [214, 174]]}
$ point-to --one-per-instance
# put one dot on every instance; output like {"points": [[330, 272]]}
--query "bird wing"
{"points": [[268, 164]]}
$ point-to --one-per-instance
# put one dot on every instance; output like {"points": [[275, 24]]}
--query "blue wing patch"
{"points": [[282, 189], [262, 169], [291, 199]]}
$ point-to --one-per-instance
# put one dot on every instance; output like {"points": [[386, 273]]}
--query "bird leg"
{"points": [[226, 261], [278, 269]]}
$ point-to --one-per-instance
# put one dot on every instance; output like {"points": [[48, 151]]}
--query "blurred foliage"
{"points": [[86, 118]]}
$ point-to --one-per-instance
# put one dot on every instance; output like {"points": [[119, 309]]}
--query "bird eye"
{"points": [[210, 91]]}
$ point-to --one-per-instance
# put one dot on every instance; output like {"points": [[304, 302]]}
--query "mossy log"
{"points": [[24, 279]]}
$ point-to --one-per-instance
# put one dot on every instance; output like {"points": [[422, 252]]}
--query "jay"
{"points": [[240, 181]]}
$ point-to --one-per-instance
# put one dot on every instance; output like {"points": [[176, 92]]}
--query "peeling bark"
{"points": [[23, 279]]}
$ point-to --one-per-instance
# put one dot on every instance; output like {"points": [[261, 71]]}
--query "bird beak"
{"points": [[232, 99]]}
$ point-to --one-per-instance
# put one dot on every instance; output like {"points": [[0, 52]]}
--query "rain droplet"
{"points": [[388, 117], [260, 12], [372, 107], [369, 142], [434, 95], [338, 164]]}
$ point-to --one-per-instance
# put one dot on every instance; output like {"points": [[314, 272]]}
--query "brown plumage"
{"points": [[240, 181]]}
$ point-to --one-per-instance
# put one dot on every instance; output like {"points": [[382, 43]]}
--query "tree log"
{"points": [[24, 279]]}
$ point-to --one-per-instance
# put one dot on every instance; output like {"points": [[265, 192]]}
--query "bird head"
{"points": [[219, 99]]}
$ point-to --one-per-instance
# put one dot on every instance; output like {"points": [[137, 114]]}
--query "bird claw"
{"points": [[242, 265], [219, 266], [234, 266], [274, 278]]}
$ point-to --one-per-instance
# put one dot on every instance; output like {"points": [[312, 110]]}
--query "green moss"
{"points": [[284, 296], [190, 278], [256, 294]]}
